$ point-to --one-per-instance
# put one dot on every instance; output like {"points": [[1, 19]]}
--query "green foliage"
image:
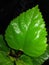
{"points": [[27, 33], [4, 50], [41, 59], [3, 46], [27, 60], [4, 60], [24, 60]]}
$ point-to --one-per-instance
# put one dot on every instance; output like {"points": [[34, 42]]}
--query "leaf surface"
{"points": [[3, 46], [24, 60], [41, 59], [27, 32]]}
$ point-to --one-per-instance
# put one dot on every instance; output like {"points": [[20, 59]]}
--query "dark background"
{"points": [[10, 9]]}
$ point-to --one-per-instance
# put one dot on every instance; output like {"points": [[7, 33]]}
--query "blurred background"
{"points": [[10, 9]]}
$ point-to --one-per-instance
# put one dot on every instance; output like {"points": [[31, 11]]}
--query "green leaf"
{"points": [[20, 62], [24, 60], [41, 59], [4, 60], [27, 32], [3, 46]]}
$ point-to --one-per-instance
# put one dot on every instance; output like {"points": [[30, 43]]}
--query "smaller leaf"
{"points": [[20, 62], [3, 46], [41, 59], [24, 60], [4, 60]]}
